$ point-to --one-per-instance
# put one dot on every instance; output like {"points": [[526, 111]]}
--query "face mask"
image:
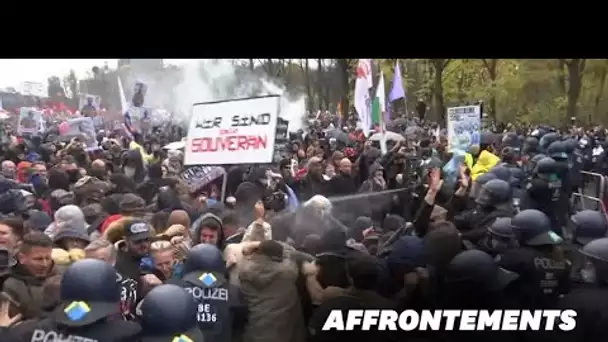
{"points": [[155, 147], [588, 274], [129, 171]]}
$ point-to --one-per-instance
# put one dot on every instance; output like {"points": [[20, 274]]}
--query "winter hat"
{"points": [[72, 217], [132, 203]]}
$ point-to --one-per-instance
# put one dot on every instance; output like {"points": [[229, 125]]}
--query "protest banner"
{"points": [[81, 128], [87, 101], [240, 131], [463, 128], [29, 121], [197, 177]]}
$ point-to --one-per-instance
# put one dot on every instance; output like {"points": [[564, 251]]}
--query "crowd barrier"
{"points": [[592, 194]]}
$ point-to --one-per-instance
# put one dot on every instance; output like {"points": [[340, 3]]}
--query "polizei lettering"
{"points": [[54, 336], [208, 293]]}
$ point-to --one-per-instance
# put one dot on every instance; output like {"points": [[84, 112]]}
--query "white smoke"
{"points": [[213, 80]]}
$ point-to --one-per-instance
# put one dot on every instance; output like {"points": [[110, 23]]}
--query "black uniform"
{"points": [[591, 301], [544, 191], [543, 275], [89, 309], [218, 302]]}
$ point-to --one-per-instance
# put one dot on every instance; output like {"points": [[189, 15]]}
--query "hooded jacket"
{"points": [[196, 226]]}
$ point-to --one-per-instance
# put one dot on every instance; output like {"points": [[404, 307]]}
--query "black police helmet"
{"points": [[531, 142], [589, 225], [533, 228], [557, 150], [484, 178], [495, 192], [502, 228], [511, 139], [546, 166], [168, 311], [501, 172], [596, 249], [570, 145], [478, 267], [89, 292], [204, 257], [548, 139]]}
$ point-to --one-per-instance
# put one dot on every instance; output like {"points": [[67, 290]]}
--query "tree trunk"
{"points": [[251, 64], [600, 91], [575, 67], [343, 69], [438, 101], [492, 66], [561, 75], [309, 98], [320, 84]]}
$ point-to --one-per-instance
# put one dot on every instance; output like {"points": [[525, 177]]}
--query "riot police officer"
{"points": [[90, 299], [544, 272], [586, 226], [494, 200], [499, 238], [591, 301], [530, 165], [557, 151], [530, 148], [543, 191], [547, 140], [169, 313], [219, 303]]}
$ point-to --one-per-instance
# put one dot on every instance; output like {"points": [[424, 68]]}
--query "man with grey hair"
{"points": [[9, 169], [102, 250]]}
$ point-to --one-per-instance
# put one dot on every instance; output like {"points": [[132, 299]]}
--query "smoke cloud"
{"points": [[211, 80]]}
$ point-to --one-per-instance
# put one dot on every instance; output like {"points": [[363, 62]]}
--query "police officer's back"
{"points": [[544, 272], [169, 313], [89, 309], [591, 301], [219, 303], [544, 191]]}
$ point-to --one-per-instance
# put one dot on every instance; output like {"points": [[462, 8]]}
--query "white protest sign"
{"points": [[463, 127], [29, 121], [238, 131], [82, 128]]}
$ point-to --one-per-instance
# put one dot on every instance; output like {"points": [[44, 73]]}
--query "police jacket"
{"points": [[542, 277], [220, 307], [47, 330]]}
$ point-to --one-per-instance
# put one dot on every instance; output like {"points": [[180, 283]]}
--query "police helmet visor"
{"points": [[83, 313], [545, 239], [194, 335]]}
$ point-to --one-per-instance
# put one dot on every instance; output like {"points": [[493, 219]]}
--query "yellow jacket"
{"points": [[147, 158], [484, 163]]}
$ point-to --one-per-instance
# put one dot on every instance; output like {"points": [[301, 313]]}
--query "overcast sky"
{"points": [[13, 72]]}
